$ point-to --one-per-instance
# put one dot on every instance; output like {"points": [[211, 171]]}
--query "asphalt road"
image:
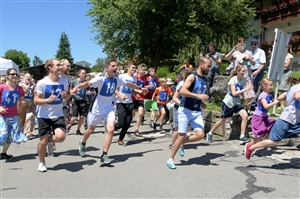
{"points": [[217, 170]]}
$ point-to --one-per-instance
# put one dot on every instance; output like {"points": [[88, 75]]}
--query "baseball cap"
{"points": [[254, 41]]}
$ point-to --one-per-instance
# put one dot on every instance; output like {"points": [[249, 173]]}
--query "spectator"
{"points": [[257, 64], [216, 60]]}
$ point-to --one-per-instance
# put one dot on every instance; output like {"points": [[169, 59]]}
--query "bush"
{"points": [[223, 66], [162, 71]]}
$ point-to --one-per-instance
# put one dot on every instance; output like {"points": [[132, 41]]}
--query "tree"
{"points": [[64, 50], [100, 65], [19, 57], [37, 61], [161, 29]]}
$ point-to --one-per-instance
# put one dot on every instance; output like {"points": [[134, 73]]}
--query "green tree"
{"points": [[37, 61], [164, 29], [19, 57], [64, 50], [100, 65]]}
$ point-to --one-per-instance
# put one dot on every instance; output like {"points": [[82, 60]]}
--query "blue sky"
{"points": [[34, 27]]}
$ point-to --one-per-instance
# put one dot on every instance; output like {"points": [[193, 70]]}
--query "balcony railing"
{"points": [[279, 13]]}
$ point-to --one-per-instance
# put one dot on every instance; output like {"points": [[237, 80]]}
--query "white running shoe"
{"points": [[42, 167]]}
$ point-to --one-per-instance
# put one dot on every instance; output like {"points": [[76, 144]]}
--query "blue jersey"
{"points": [[199, 86]]}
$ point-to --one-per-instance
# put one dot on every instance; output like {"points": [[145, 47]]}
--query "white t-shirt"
{"points": [[106, 93], [124, 90], [229, 99], [47, 88]]}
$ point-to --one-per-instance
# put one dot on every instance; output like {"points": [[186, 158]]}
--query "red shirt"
{"points": [[149, 81], [9, 99], [140, 81]]}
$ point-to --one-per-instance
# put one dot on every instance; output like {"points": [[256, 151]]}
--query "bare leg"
{"points": [[87, 133], [264, 143], [218, 124], [5, 147], [110, 129], [244, 116], [42, 147]]}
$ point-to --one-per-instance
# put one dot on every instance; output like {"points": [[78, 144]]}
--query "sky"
{"points": [[35, 26]]}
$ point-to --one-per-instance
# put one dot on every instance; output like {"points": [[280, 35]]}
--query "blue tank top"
{"points": [[198, 86]]}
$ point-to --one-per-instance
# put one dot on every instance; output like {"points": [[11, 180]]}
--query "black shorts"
{"points": [[160, 106], [228, 112], [79, 107], [138, 103], [46, 126]]}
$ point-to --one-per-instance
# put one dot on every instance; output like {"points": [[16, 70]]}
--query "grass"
{"points": [[214, 106], [296, 74]]}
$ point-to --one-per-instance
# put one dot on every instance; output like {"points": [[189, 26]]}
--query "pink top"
{"points": [[9, 99]]}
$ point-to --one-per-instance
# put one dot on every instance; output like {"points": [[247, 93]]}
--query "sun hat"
{"points": [[169, 81]]}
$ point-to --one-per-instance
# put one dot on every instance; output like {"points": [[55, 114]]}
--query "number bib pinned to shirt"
{"points": [[109, 87], [10, 98], [54, 90]]}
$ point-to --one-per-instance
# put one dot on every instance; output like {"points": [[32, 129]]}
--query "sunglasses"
{"points": [[253, 44], [13, 74]]}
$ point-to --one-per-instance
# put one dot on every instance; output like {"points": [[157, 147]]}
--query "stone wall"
{"points": [[233, 124]]}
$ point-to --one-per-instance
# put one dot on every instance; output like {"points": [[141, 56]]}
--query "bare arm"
{"points": [[237, 93], [39, 100], [229, 55], [175, 98], [184, 89], [267, 105], [79, 86], [287, 63]]}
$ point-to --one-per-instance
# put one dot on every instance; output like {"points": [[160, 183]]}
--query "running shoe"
{"points": [[152, 124], [209, 137], [248, 151], [81, 149], [42, 167], [78, 132], [105, 159], [170, 164], [244, 140], [181, 151], [120, 142]]}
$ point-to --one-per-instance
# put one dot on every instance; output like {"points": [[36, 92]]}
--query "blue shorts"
{"points": [[228, 112], [11, 130], [283, 129], [186, 117]]}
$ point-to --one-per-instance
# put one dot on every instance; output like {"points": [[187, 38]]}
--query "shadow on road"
{"points": [[125, 157], [203, 160], [73, 166]]}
